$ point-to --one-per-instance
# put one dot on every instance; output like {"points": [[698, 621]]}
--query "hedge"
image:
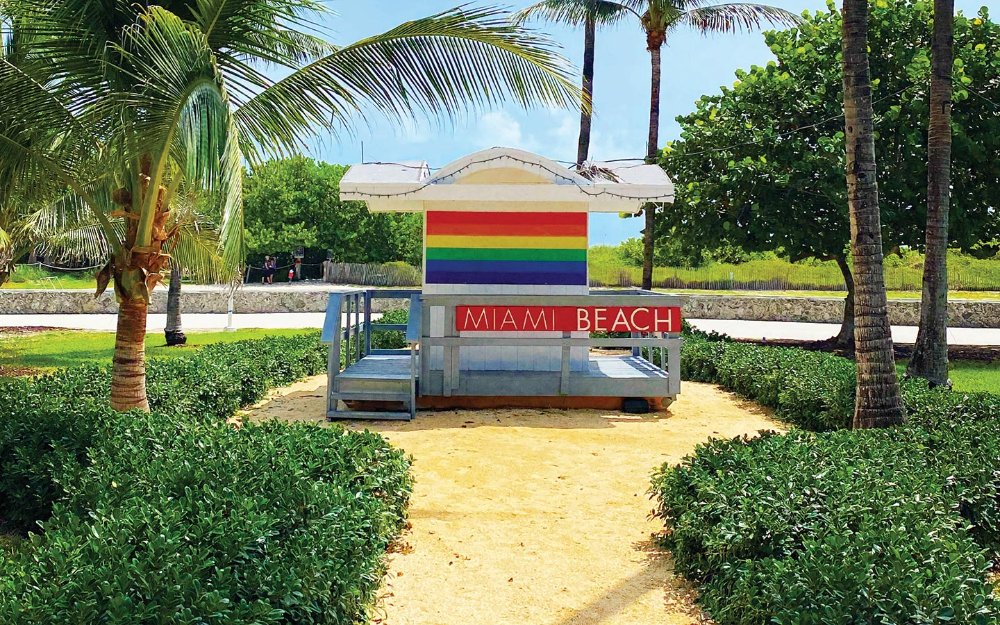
{"points": [[885, 526], [176, 516]]}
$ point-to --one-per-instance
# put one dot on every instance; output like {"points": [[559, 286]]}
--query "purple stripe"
{"points": [[508, 266]]}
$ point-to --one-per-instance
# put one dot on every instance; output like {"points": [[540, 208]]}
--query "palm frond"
{"points": [[271, 31], [197, 252], [196, 247], [186, 106], [443, 65], [576, 12], [68, 230], [737, 16], [232, 239], [43, 146]]}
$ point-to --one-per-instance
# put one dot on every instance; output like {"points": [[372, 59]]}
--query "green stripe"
{"points": [[471, 253]]}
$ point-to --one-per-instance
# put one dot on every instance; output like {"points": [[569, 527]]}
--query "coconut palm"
{"points": [[877, 402], [658, 19], [930, 353], [123, 102], [589, 14]]}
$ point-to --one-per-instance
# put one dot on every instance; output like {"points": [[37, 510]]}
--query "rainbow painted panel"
{"points": [[506, 248]]}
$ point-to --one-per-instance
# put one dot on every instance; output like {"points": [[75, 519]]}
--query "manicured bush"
{"points": [[885, 526], [54, 419], [176, 516], [845, 527]]}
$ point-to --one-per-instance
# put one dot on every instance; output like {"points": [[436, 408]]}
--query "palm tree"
{"points": [[590, 14], [122, 103], [173, 331], [877, 402], [930, 354], [658, 19]]}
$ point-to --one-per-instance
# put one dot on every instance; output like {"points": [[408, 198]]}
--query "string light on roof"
{"points": [[581, 188]]}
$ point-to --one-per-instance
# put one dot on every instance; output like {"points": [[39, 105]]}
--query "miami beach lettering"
{"points": [[568, 318]]}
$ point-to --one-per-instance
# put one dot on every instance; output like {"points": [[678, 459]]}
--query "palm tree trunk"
{"points": [[654, 43], [128, 372], [930, 354], [877, 402], [6, 268], [173, 331], [583, 143], [845, 338]]}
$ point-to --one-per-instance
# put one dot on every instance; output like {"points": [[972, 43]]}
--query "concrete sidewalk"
{"points": [[736, 329]]}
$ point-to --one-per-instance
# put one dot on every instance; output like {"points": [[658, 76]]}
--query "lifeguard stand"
{"points": [[506, 314]]}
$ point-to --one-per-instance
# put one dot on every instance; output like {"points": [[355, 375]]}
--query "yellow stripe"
{"points": [[539, 243]]}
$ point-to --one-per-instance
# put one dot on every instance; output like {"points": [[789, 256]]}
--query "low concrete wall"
{"points": [[312, 298], [961, 313]]}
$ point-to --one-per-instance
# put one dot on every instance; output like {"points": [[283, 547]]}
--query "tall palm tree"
{"points": [[658, 19], [877, 402], [930, 354], [589, 14], [123, 102]]}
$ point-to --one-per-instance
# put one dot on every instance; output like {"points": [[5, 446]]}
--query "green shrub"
{"points": [[881, 526], [852, 527], [391, 339], [176, 516], [55, 419]]}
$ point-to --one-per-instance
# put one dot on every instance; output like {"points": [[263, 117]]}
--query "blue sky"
{"points": [[693, 65]]}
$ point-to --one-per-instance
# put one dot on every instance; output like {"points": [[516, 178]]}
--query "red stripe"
{"points": [[511, 230], [465, 217], [507, 224]]}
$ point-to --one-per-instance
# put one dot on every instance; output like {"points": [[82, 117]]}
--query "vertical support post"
{"points": [[636, 350], [333, 332], [450, 352], [674, 366], [229, 314], [425, 350], [564, 365], [358, 329], [413, 380], [347, 330], [368, 322]]}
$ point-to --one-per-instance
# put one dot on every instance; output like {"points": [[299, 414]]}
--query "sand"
{"points": [[537, 517]]}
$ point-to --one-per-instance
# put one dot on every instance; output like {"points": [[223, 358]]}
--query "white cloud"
{"points": [[500, 129]]}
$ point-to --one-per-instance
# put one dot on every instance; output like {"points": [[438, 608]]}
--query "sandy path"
{"points": [[537, 516]]}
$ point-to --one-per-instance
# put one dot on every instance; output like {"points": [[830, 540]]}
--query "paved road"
{"points": [[738, 329]]}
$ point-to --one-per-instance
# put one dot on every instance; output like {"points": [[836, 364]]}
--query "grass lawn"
{"points": [[952, 295], [65, 348], [970, 376], [976, 376], [33, 277]]}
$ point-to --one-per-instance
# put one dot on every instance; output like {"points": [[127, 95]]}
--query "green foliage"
{"points": [[761, 164], [178, 516], [884, 526], [391, 339], [295, 202], [52, 349], [35, 277], [839, 527], [614, 266], [63, 412]]}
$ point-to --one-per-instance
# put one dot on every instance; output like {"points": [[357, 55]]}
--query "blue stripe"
{"points": [[532, 278], [508, 266]]}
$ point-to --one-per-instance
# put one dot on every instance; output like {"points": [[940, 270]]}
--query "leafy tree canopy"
{"points": [[294, 202], [761, 165]]}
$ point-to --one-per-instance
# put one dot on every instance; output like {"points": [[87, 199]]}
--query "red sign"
{"points": [[568, 318]]}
